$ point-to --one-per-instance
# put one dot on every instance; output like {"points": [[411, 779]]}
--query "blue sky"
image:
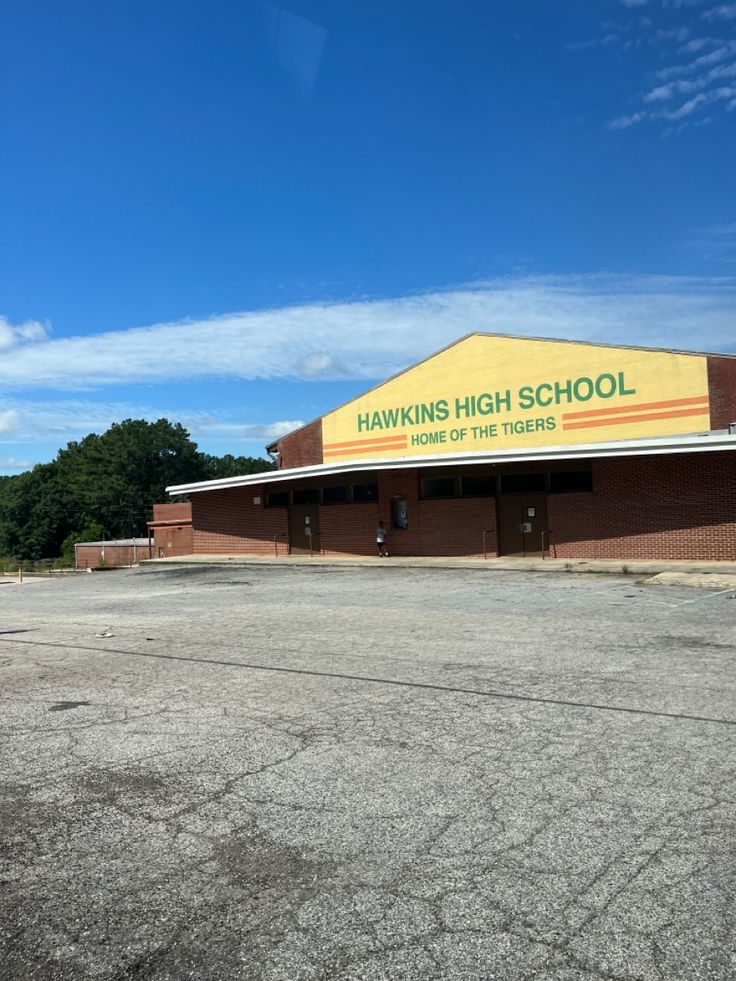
{"points": [[237, 214]]}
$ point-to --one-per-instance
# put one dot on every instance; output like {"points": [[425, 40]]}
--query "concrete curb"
{"points": [[615, 567]]}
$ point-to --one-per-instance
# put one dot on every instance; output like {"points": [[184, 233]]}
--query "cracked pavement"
{"points": [[320, 773]]}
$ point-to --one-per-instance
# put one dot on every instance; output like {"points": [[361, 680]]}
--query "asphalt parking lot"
{"points": [[375, 773]]}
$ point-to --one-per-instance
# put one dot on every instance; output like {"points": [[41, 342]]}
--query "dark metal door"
{"points": [[304, 529], [522, 520]]}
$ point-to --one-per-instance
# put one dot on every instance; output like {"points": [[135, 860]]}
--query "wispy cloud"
{"points": [[716, 242], [726, 94], [30, 421], [686, 86], [594, 42], [210, 426], [623, 122], [696, 82], [723, 12], [372, 339], [722, 52]]}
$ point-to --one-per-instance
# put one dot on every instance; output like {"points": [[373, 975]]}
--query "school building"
{"points": [[501, 445]]}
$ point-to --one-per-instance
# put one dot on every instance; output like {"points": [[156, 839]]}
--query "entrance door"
{"points": [[304, 529], [521, 520]]}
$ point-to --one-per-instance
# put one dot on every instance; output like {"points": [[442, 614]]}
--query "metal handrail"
{"points": [[280, 534], [548, 533], [488, 531]]}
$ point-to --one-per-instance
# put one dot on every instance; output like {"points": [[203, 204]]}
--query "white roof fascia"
{"points": [[698, 443]]}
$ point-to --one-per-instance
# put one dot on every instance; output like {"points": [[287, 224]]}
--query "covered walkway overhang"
{"points": [[706, 442]]}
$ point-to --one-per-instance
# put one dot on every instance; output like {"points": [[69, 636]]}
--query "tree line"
{"points": [[104, 486]]}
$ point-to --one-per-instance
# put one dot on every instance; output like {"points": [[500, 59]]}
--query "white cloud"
{"points": [[63, 420], [724, 12], [27, 332], [10, 420], [685, 86], [623, 122], [697, 44], [372, 339], [726, 93], [687, 108], [699, 62], [722, 231], [210, 426], [592, 42], [712, 58], [716, 242], [679, 34], [321, 364], [13, 464]]}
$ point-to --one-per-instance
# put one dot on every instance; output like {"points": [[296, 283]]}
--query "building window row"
{"points": [[332, 494], [487, 485], [441, 486]]}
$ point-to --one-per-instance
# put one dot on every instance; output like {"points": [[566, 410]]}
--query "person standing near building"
{"points": [[381, 534]]}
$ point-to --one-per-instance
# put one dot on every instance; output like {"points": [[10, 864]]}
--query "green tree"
{"points": [[115, 478], [217, 467], [104, 486], [93, 532]]}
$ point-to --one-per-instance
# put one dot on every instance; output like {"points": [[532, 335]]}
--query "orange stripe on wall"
{"points": [[376, 440], [669, 403], [367, 449], [621, 420]]}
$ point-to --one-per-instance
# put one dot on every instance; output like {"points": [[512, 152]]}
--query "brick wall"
{"points": [[681, 506], [722, 389], [348, 529], [90, 556], [450, 527], [227, 522], [302, 448], [172, 540], [181, 511]]}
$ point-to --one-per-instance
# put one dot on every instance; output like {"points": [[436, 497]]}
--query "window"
{"points": [[433, 487], [478, 486], [334, 495], [363, 493], [570, 480], [306, 495], [522, 483], [277, 499]]}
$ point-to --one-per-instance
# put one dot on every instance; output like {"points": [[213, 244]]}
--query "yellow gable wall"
{"points": [[489, 392]]}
